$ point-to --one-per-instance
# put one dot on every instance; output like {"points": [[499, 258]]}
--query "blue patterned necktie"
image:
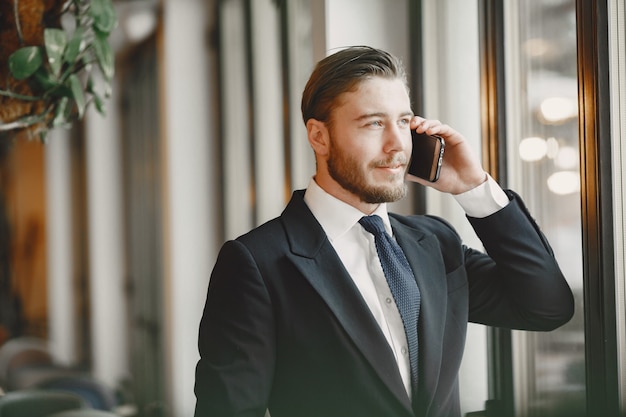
{"points": [[402, 284]]}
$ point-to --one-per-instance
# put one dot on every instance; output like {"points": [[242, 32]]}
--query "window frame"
{"points": [[597, 205]]}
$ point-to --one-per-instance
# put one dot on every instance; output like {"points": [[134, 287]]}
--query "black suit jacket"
{"points": [[285, 328]]}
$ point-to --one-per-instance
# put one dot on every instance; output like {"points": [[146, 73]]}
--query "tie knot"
{"points": [[373, 224]]}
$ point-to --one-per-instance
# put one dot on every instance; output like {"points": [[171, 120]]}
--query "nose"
{"points": [[397, 139]]}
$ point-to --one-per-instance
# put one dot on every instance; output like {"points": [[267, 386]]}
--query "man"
{"points": [[300, 318]]}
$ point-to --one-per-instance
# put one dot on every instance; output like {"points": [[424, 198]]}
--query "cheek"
{"points": [[365, 157], [408, 143], [360, 149]]}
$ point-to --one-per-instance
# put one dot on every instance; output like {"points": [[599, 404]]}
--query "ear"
{"points": [[318, 136]]}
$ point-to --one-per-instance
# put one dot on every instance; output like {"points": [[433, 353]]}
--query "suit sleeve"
{"points": [[519, 284], [236, 339]]}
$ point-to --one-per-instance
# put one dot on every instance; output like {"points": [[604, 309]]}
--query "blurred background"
{"points": [[109, 230]]}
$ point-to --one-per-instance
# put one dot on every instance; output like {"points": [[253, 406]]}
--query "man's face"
{"points": [[370, 141]]}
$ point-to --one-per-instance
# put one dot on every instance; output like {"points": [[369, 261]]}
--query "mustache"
{"points": [[395, 160]]}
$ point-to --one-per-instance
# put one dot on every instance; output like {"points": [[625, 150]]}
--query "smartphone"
{"points": [[427, 156]]}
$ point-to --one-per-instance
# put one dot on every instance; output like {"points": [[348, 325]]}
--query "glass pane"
{"points": [[544, 167]]}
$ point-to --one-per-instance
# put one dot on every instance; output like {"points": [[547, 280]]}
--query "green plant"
{"points": [[60, 72]]}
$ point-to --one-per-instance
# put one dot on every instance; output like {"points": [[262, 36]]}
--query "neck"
{"points": [[333, 188]]}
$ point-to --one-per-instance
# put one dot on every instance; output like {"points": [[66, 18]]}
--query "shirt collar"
{"points": [[335, 216]]}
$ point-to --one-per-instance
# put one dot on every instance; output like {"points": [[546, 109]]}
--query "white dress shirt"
{"points": [[354, 244]]}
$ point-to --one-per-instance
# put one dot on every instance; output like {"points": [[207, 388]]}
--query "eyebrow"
{"points": [[371, 115]]}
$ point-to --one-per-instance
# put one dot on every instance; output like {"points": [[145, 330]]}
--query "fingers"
{"points": [[434, 127]]}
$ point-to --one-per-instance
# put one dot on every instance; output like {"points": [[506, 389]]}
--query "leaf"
{"points": [[60, 117], [77, 94], [45, 80], [91, 85], [55, 41], [63, 90], [25, 61], [103, 14], [74, 46], [104, 56], [99, 102], [86, 61], [108, 90], [97, 98]]}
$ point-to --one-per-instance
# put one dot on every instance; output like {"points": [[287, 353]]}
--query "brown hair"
{"points": [[342, 72]]}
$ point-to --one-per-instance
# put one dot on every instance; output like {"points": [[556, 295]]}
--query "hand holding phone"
{"points": [[427, 156]]}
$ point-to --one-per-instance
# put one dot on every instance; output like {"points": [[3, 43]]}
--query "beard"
{"points": [[347, 171]]}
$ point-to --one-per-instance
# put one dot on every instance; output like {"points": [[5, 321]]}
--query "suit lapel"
{"points": [[424, 257], [316, 259]]}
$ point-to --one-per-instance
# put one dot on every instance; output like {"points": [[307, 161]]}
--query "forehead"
{"points": [[376, 95]]}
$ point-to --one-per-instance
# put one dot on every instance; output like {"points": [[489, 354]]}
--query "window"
{"points": [[543, 166]]}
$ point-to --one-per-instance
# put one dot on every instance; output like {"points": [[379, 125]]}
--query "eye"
{"points": [[376, 123], [406, 122]]}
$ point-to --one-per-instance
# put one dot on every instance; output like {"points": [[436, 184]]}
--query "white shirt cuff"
{"points": [[484, 200]]}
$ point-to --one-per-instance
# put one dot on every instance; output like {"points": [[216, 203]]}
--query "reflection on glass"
{"points": [[533, 149], [543, 152], [557, 110]]}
